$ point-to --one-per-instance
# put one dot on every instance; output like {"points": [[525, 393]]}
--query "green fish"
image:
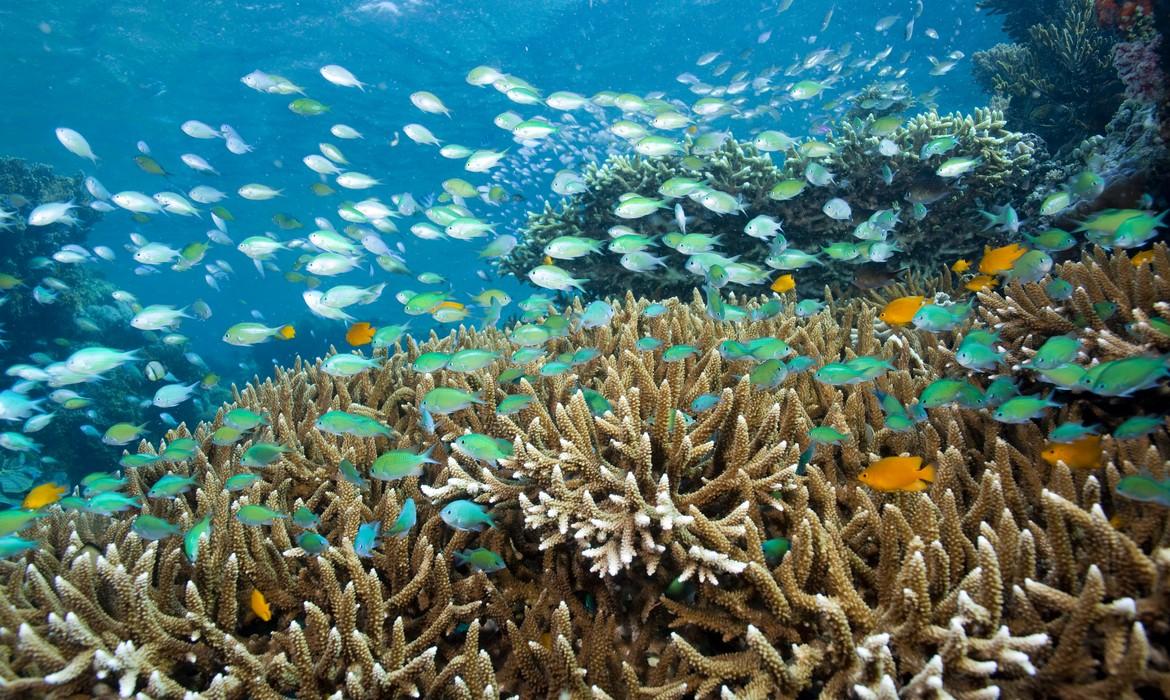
{"points": [[350, 473], [344, 423], [1055, 351], [768, 374], [109, 502], [430, 362], [398, 464], [195, 536], [262, 454], [1124, 377], [471, 359], [312, 542], [837, 373], [149, 527], [240, 482], [445, 400], [1067, 376], [304, 518], [307, 107], [179, 450], [14, 546], [466, 515], [1022, 409], [677, 353], [768, 349], [1138, 426], [243, 419], [513, 404], [257, 515], [171, 485], [827, 435], [406, 520], [16, 519], [480, 559], [647, 344], [1072, 431], [598, 404], [775, 549], [483, 447], [1054, 240], [226, 435], [138, 460], [1143, 487], [554, 369]]}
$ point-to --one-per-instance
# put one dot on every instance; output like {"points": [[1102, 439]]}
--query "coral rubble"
{"points": [[633, 533]]}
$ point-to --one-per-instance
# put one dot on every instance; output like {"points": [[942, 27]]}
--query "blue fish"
{"points": [[366, 539], [466, 515], [406, 519]]}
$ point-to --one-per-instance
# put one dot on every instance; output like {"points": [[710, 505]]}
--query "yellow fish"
{"points": [[360, 333], [783, 283], [997, 260], [898, 474], [43, 495], [899, 311], [1142, 258], [260, 605], [961, 265], [980, 283], [548, 260], [1079, 454]]}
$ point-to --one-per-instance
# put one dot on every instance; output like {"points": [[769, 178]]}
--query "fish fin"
{"points": [[919, 485], [926, 474]]}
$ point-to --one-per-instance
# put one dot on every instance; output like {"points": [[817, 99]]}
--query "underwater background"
{"points": [[608, 349]]}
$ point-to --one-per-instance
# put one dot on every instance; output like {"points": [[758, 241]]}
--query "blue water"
{"points": [[124, 72]]}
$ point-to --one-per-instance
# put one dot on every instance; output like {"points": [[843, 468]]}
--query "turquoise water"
{"points": [[127, 75]]}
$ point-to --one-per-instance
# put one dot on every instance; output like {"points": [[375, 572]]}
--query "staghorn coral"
{"points": [[1058, 81], [1012, 163], [632, 539]]}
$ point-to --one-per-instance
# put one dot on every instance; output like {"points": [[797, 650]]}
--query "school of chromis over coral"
{"points": [[585, 349]]}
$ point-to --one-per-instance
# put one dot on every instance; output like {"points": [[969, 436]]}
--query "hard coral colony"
{"points": [[932, 462]]}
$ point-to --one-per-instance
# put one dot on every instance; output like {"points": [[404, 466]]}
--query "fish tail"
{"points": [[926, 474]]}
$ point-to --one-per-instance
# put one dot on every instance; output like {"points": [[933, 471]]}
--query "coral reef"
{"points": [[1011, 165], [633, 532], [1059, 81], [81, 313]]}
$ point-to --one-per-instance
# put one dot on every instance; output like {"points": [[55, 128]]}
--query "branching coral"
{"points": [[1059, 80], [1010, 164], [632, 536]]}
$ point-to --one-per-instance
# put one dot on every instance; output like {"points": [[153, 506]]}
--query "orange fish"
{"points": [[961, 266], [980, 283], [1142, 258], [1079, 454], [783, 283], [260, 605], [899, 311], [360, 333], [898, 474], [997, 260], [43, 495]]}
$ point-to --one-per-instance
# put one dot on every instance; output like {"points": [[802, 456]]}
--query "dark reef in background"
{"points": [[31, 327], [1058, 80]]}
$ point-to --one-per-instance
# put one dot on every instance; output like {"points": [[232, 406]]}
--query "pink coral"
{"points": [[1139, 67]]}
